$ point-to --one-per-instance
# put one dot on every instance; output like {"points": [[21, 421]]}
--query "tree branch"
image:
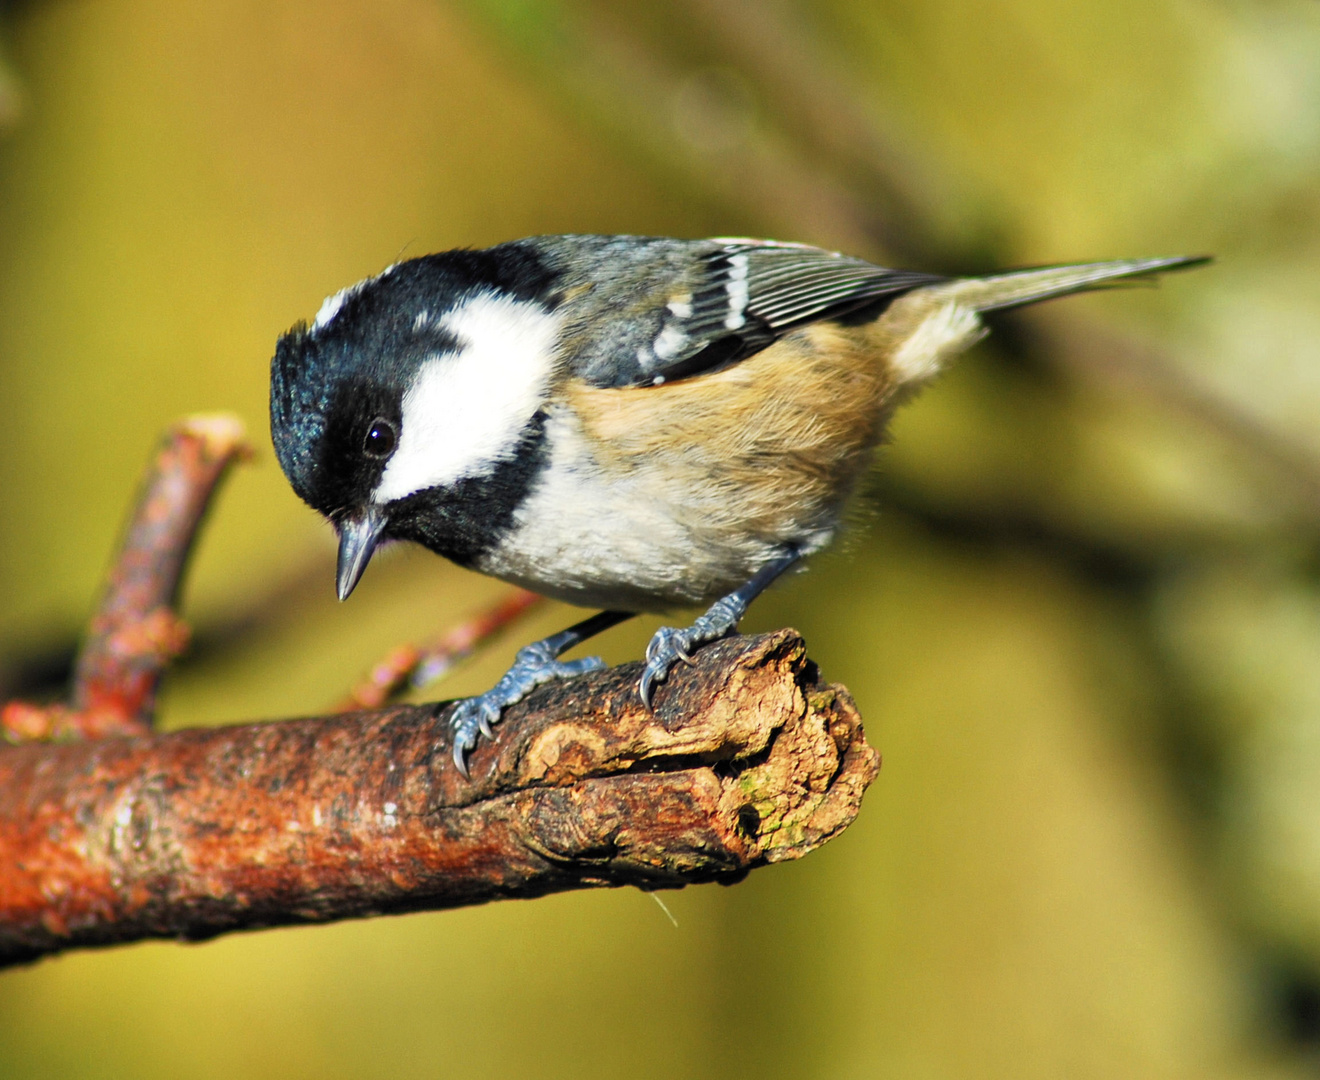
{"points": [[748, 759], [136, 631]]}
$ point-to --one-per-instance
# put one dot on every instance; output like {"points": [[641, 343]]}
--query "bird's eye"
{"points": [[380, 440]]}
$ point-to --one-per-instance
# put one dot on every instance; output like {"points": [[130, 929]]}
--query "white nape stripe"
{"points": [[736, 288], [943, 332], [330, 306], [465, 411]]}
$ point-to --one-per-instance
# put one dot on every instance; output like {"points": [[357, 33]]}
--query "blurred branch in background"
{"points": [[1096, 355], [11, 90], [813, 164], [408, 667], [749, 105], [136, 631]]}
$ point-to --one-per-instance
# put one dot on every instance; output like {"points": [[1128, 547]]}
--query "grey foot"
{"points": [[535, 664], [670, 645]]}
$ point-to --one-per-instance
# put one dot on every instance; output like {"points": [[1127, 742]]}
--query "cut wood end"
{"points": [[223, 435], [784, 755]]}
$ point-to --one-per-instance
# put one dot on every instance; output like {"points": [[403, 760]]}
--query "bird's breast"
{"points": [[597, 537], [660, 496]]}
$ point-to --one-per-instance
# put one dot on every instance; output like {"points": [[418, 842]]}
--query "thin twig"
{"points": [[136, 630], [409, 667]]}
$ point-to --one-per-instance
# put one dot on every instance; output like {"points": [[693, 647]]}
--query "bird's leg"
{"points": [[535, 664], [670, 645]]}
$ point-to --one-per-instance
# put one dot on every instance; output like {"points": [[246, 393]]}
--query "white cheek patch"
{"points": [[465, 411]]}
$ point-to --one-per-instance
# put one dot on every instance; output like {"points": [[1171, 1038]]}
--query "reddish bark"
{"points": [[747, 759], [136, 631]]}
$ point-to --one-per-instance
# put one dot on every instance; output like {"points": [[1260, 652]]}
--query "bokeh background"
{"points": [[1081, 612]]}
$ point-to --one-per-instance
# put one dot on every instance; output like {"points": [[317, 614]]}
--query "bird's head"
{"points": [[408, 392]]}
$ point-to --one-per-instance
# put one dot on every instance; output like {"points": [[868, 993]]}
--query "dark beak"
{"points": [[357, 540]]}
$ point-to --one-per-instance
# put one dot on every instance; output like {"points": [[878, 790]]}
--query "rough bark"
{"points": [[747, 759]]}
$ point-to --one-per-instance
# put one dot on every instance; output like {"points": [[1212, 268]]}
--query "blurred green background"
{"points": [[1080, 610]]}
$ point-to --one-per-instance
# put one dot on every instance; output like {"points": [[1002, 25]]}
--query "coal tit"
{"points": [[630, 423]]}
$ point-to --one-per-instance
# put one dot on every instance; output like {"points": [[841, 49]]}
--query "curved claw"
{"points": [[664, 650], [645, 685], [460, 755], [465, 726]]}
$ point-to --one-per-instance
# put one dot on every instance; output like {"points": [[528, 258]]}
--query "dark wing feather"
{"points": [[748, 294]]}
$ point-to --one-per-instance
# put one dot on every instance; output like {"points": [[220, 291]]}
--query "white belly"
{"points": [[620, 541]]}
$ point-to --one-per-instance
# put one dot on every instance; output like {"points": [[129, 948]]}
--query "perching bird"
{"points": [[623, 422]]}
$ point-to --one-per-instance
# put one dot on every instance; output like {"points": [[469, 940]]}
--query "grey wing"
{"points": [[731, 300]]}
